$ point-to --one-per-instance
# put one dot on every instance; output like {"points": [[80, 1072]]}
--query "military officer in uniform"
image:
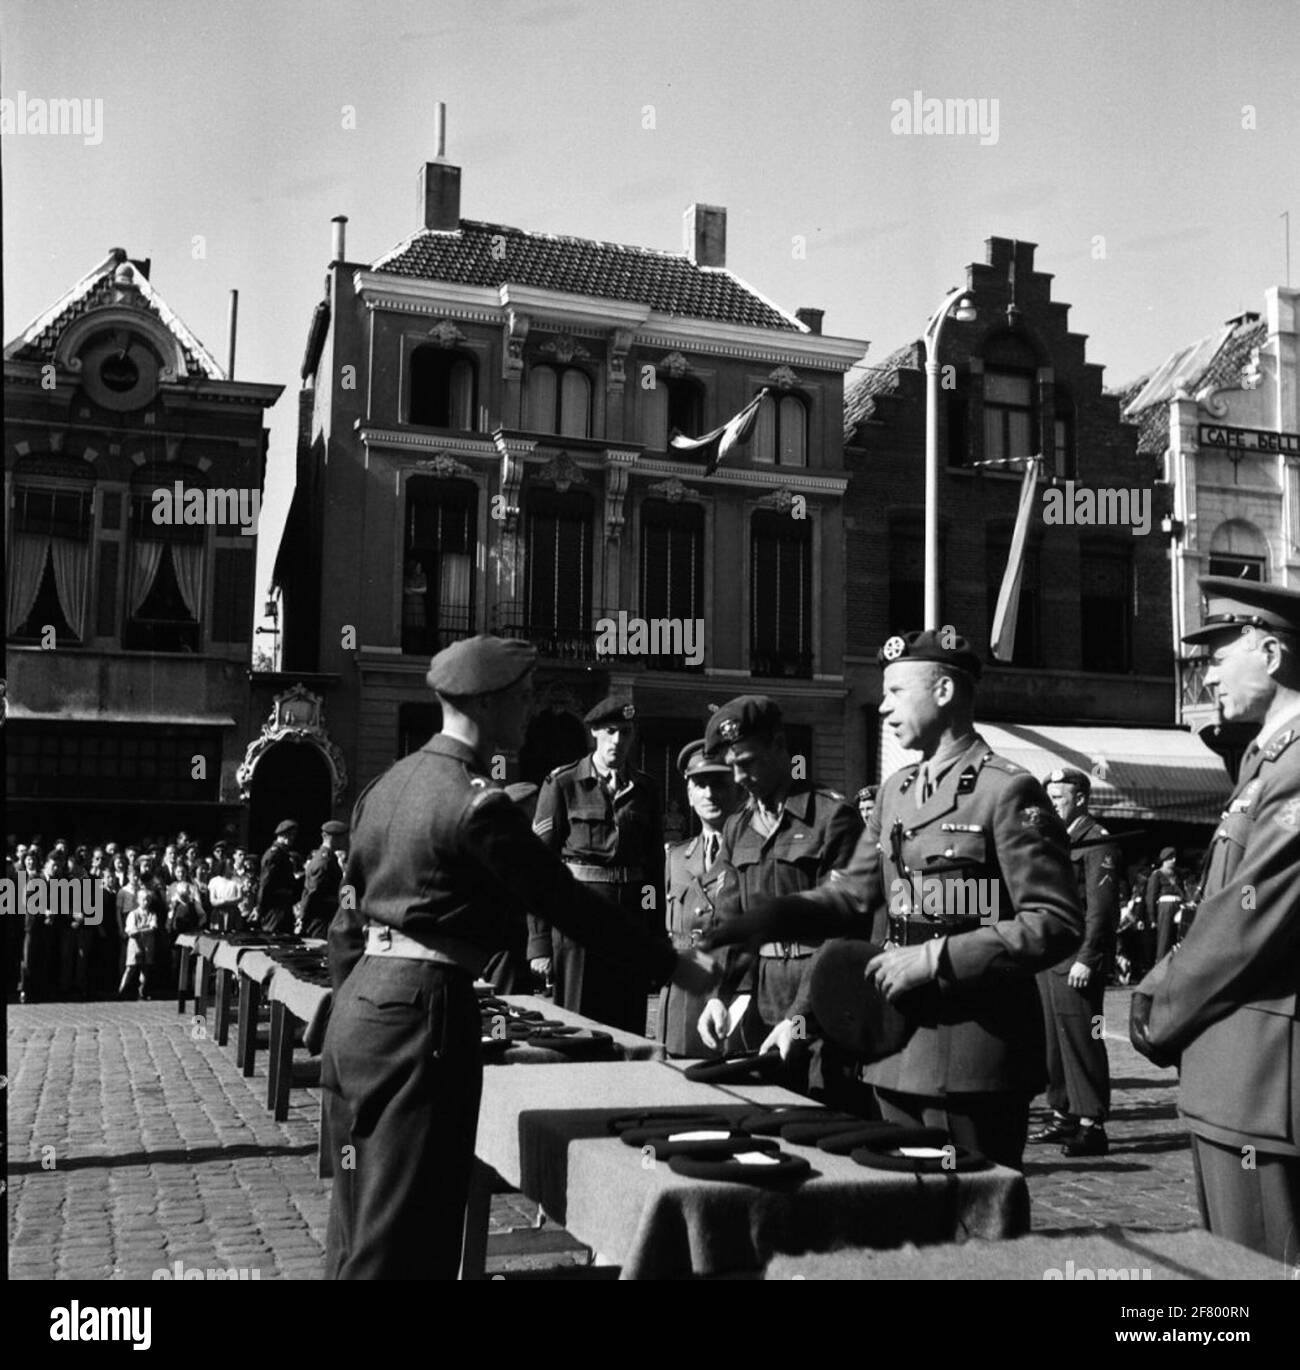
{"points": [[321, 881], [441, 860], [1078, 1071], [699, 886], [1223, 1005], [789, 836], [964, 874], [277, 887], [602, 818]]}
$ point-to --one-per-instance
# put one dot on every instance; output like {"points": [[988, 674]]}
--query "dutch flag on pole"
{"points": [[719, 444], [1004, 619]]}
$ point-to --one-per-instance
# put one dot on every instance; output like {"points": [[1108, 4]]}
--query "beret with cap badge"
{"points": [[614, 711], [941, 646], [744, 716]]}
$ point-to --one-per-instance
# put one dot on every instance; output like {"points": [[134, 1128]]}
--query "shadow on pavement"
{"points": [[184, 1156]]}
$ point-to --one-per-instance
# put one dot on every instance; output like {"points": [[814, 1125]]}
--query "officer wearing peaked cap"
{"points": [[700, 887], [602, 818], [321, 881], [441, 861], [963, 871], [1223, 1004]]}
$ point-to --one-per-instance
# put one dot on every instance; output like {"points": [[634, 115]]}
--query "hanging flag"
{"points": [[1003, 645], [719, 444]]}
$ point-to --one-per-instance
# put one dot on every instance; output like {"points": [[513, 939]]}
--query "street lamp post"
{"points": [[957, 303]]}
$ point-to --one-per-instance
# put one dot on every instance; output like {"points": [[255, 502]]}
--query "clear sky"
{"points": [[225, 119]]}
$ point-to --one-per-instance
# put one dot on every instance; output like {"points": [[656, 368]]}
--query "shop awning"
{"points": [[19, 713], [1149, 774]]}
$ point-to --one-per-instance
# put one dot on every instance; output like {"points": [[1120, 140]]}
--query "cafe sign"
{"points": [[1258, 440]]}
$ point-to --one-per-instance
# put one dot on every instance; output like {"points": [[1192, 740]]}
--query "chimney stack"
{"points": [[706, 234], [439, 183], [340, 222], [812, 317]]}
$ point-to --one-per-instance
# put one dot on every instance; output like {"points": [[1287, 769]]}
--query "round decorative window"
{"points": [[119, 371]]}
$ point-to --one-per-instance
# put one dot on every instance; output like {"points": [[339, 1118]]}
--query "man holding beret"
{"points": [[1078, 1071], [441, 860], [1222, 1005], [963, 872], [602, 818]]}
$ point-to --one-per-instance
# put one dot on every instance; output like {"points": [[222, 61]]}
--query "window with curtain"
{"points": [[672, 569], [558, 560], [780, 595], [438, 563], [443, 388], [1028, 651], [165, 586], [1106, 607], [781, 431], [559, 401], [49, 561], [1008, 415]]}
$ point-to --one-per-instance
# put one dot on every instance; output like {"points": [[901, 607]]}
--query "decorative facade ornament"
{"points": [[781, 500], [620, 342], [563, 347], [618, 466], [444, 465], [672, 490], [675, 365], [297, 716], [783, 378], [512, 355], [511, 479], [1252, 374], [445, 334], [562, 471]]}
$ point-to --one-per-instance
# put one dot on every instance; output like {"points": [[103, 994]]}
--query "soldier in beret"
{"points": [[321, 881], [790, 835], [441, 861], [964, 874], [700, 888], [1222, 1006], [1078, 1071], [277, 887], [602, 818]]}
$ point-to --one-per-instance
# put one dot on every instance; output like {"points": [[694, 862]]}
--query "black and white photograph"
{"points": [[653, 642]]}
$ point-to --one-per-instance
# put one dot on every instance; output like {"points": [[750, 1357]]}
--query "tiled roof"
{"points": [[860, 393], [666, 281], [37, 342], [1215, 360]]}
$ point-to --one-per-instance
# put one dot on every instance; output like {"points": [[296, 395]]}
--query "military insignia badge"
{"points": [[1288, 816], [629, 710], [1246, 798], [730, 729], [893, 649], [1033, 817]]}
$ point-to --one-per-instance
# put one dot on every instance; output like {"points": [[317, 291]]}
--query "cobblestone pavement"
{"points": [[134, 1145]]}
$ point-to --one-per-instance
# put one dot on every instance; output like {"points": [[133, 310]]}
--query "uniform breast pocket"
{"points": [[955, 877], [589, 829]]}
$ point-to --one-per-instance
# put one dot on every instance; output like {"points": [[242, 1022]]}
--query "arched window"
{"points": [[443, 388], [1238, 549], [675, 404], [559, 401], [781, 432], [438, 563]]}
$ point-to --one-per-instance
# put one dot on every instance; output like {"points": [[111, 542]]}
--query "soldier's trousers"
{"points": [[402, 1061], [1257, 1207], [1078, 1070]]}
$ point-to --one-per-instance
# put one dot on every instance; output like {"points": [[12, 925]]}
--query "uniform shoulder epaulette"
{"points": [[560, 770], [1279, 744], [1001, 763], [827, 793]]}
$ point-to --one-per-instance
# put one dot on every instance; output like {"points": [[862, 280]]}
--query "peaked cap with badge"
{"points": [[1231, 605]]}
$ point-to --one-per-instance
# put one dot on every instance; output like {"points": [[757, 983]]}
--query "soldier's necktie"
{"points": [[710, 850], [924, 789]]}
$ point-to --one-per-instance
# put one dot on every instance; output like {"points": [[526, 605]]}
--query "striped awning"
{"points": [[1149, 774]]}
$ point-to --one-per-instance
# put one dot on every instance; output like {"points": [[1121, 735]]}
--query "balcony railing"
{"points": [[555, 642]]}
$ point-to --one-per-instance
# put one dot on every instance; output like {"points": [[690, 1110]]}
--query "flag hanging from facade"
{"points": [[719, 444], [1003, 644]]}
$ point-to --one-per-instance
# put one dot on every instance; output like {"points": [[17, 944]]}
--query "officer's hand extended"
{"points": [[1139, 1013], [904, 968], [712, 1025], [782, 1038], [768, 921], [540, 966], [1079, 976], [695, 972]]}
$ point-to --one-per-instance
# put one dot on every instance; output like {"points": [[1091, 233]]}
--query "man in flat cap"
{"points": [[700, 888], [789, 835], [1078, 1071], [321, 881], [441, 861], [602, 818], [277, 887], [964, 875], [1223, 1005]]}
